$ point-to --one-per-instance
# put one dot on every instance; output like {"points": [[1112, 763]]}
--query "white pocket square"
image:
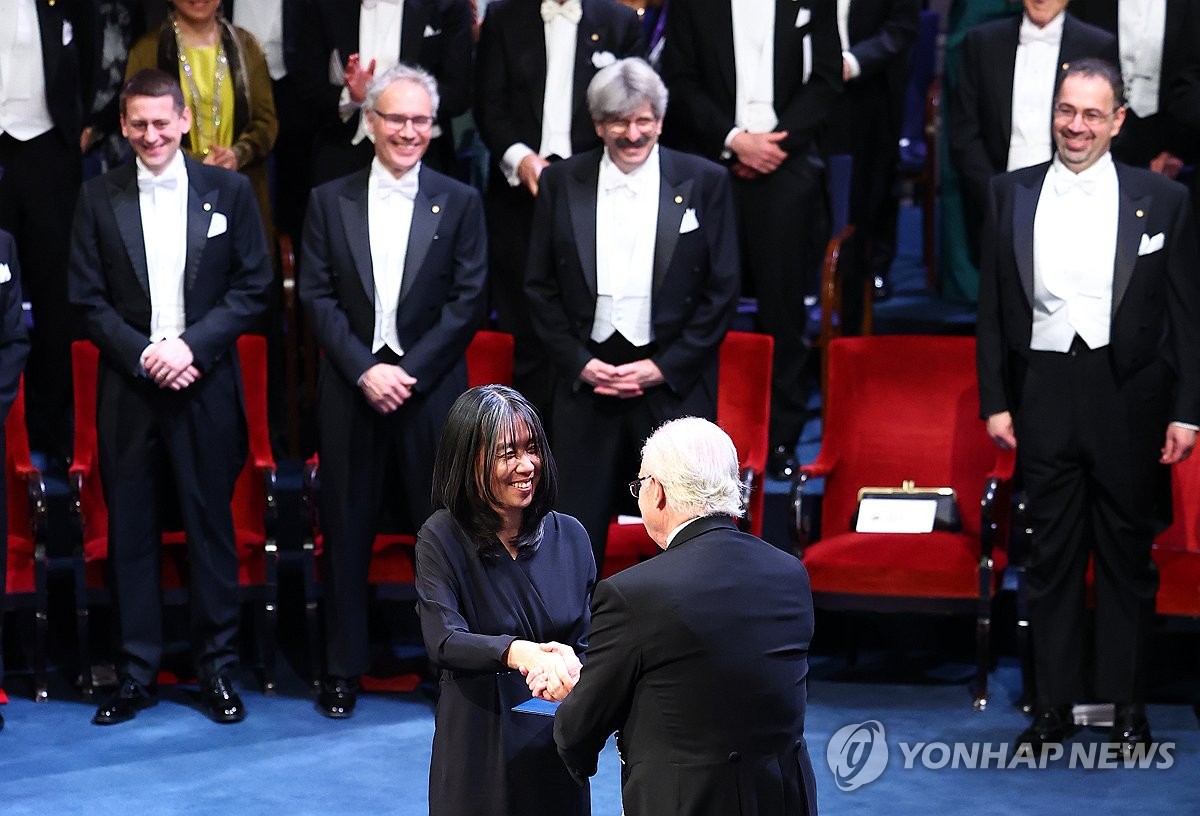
{"points": [[689, 222], [5, 273], [803, 16], [68, 32], [1150, 243], [603, 59], [430, 31], [217, 225]]}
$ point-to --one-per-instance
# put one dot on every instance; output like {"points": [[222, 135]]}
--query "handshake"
{"points": [[551, 669]]}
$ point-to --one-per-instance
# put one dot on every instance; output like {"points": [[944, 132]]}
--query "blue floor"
{"points": [[285, 759]]}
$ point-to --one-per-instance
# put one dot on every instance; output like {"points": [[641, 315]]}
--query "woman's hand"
{"points": [[550, 669]]}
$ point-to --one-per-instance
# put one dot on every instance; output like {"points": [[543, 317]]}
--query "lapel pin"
{"points": [[207, 206], [678, 199], [436, 208], [1066, 65], [595, 38], [1140, 213]]}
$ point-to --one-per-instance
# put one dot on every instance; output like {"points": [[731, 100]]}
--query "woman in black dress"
{"points": [[503, 588]]}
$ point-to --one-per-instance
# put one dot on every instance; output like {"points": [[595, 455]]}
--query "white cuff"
{"points": [[852, 61], [511, 161], [347, 107], [1187, 425]]}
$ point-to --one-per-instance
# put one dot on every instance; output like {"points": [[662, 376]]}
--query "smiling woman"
{"points": [[503, 587]]}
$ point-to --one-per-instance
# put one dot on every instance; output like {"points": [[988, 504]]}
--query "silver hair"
{"points": [[697, 465], [622, 87], [401, 72]]}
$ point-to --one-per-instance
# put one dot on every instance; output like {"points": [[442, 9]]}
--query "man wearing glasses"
{"points": [[1089, 365], [632, 280], [393, 274]]}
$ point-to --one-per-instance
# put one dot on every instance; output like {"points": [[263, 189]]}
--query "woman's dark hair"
{"points": [[482, 421]]}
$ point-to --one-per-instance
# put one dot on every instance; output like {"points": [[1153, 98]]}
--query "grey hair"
{"points": [[621, 88], [697, 465], [402, 72]]}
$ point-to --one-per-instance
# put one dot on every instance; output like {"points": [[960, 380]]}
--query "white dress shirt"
{"points": [[379, 26], [1034, 74], [264, 19], [23, 111], [1074, 254], [162, 201], [389, 221], [561, 35], [1141, 26], [843, 18], [626, 227], [754, 66]]}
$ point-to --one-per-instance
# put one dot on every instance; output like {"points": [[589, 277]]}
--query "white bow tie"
{"points": [[166, 181], [1030, 33], [1066, 182], [571, 11], [407, 185]]}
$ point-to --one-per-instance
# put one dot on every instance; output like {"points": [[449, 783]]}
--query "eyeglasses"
{"points": [[397, 121], [1090, 116], [635, 487], [619, 127]]}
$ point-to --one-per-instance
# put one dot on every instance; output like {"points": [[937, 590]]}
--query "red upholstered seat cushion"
{"points": [[20, 578], [627, 545], [393, 559], [941, 565]]}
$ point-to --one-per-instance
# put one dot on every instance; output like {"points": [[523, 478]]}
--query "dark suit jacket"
{"points": [[510, 78], [441, 293], [69, 67], [1163, 131], [698, 67], [981, 109], [695, 273], [226, 276], [1156, 296], [699, 657], [14, 340], [435, 34], [881, 35]]}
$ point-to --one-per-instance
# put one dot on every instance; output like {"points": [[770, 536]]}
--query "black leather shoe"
{"points": [[123, 704], [1050, 725], [222, 702], [1130, 728], [782, 462], [338, 697]]}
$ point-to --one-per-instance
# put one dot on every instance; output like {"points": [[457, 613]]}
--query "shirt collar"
{"points": [[677, 530], [1051, 32], [382, 179], [612, 176], [176, 169], [1101, 170]]}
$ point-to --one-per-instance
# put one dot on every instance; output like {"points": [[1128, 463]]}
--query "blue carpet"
{"points": [[287, 759]]}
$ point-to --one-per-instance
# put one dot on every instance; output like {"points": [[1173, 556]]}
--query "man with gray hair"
{"points": [[632, 280], [392, 275], [698, 657]]}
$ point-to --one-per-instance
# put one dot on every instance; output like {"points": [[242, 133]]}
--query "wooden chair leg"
{"points": [[40, 693], [270, 620], [311, 622]]}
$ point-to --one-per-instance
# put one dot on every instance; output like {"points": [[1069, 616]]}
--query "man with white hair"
{"points": [[698, 656], [632, 280]]}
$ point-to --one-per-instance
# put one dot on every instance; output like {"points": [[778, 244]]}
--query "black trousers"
{"points": [[783, 223], [360, 450], [1088, 445], [39, 182], [195, 439]]}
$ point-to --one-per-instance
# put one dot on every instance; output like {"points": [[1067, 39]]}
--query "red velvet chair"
{"points": [[27, 562], [393, 555], [743, 411], [254, 509], [907, 409]]}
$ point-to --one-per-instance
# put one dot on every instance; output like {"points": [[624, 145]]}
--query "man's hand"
{"points": [[743, 171], [1000, 429], [760, 151], [386, 386], [530, 170], [357, 78], [847, 71], [1166, 164], [221, 157], [170, 364], [1178, 445], [623, 381]]}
